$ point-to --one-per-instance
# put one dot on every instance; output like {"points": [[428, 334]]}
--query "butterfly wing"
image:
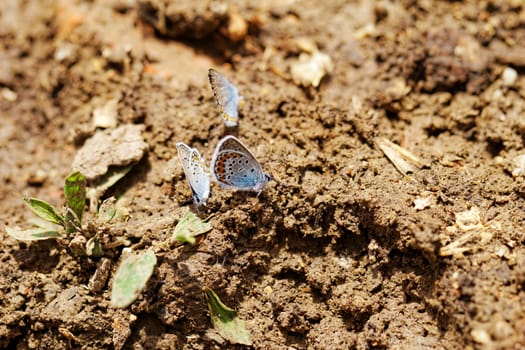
{"points": [[195, 171], [234, 167], [227, 97], [231, 143]]}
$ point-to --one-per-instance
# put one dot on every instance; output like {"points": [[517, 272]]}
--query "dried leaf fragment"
{"points": [[467, 228], [100, 277], [404, 161]]}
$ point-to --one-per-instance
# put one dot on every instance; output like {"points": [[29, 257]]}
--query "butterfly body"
{"points": [[196, 172], [227, 97], [234, 167]]}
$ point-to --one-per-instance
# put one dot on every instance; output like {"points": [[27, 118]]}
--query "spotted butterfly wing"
{"points": [[234, 167], [227, 97], [195, 171]]}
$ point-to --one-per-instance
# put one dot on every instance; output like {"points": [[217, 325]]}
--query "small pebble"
{"points": [[518, 166], [8, 94], [480, 336], [421, 203], [237, 27], [497, 94], [503, 330], [310, 69], [37, 178], [509, 76], [105, 116], [64, 51], [502, 251]]}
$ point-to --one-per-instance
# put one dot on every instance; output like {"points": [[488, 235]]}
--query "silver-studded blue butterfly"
{"points": [[234, 167], [196, 172], [227, 97]]}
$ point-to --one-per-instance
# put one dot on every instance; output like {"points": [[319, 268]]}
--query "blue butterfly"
{"points": [[227, 97], [234, 167], [196, 172]]}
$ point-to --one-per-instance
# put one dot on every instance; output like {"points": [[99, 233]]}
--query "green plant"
{"points": [[131, 277], [50, 224], [225, 320], [135, 270], [189, 227], [66, 226]]}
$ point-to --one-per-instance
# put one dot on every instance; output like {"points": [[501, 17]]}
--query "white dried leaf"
{"points": [[467, 229], [404, 161]]}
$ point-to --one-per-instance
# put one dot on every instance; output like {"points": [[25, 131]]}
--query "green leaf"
{"points": [[75, 190], [113, 175], [35, 234], [41, 223], [72, 222], [107, 210], [131, 277], [44, 210], [225, 320], [189, 227]]}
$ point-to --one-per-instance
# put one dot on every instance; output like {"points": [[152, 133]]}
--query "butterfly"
{"points": [[227, 97], [196, 172], [234, 167]]}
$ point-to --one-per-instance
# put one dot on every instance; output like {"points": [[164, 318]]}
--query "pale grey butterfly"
{"points": [[196, 172], [227, 97], [234, 167]]}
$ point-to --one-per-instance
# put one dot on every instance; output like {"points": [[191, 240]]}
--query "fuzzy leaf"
{"points": [[107, 210], [225, 320], [110, 178], [75, 190], [72, 221], [189, 227], [35, 234], [41, 223], [114, 174], [131, 277], [44, 210]]}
